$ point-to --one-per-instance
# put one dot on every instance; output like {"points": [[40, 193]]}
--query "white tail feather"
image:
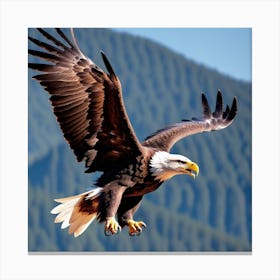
{"points": [[69, 214]]}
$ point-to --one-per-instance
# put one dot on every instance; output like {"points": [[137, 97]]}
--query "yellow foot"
{"points": [[135, 228], [111, 226]]}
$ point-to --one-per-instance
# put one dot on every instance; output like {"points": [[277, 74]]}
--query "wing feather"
{"points": [[50, 48], [219, 105], [206, 108], [87, 102], [165, 138], [52, 39], [43, 55], [46, 67], [58, 76], [232, 111]]}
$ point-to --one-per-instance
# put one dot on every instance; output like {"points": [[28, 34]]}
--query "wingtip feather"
{"points": [[233, 110], [219, 105], [206, 108], [108, 64]]}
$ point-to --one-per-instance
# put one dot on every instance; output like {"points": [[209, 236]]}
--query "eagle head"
{"points": [[164, 166]]}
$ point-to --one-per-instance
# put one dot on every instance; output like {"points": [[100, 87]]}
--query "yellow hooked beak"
{"points": [[191, 169]]}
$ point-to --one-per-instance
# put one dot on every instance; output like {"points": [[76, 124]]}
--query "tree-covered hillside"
{"points": [[160, 87]]}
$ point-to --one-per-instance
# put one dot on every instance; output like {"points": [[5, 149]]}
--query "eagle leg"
{"points": [[111, 226], [111, 200], [135, 228]]}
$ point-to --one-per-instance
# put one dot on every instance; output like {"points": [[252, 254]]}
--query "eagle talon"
{"points": [[135, 228], [135, 233], [111, 227]]}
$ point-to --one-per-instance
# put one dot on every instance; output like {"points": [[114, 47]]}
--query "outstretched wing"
{"points": [[165, 138], [87, 102]]}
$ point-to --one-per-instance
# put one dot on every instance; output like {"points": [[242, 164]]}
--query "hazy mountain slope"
{"points": [[160, 87]]}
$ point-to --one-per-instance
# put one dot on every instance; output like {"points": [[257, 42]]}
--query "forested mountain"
{"points": [[160, 87]]}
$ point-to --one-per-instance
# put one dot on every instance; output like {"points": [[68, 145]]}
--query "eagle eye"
{"points": [[181, 161]]}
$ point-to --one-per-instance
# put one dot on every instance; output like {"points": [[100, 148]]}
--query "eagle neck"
{"points": [[158, 166]]}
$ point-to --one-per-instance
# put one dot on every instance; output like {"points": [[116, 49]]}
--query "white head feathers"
{"points": [[164, 165]]}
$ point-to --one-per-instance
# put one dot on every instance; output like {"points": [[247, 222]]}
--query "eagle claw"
{"points": [[111, 227], [135, 228]]}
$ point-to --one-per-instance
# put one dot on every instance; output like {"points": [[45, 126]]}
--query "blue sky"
{"points": [[227, 50]]}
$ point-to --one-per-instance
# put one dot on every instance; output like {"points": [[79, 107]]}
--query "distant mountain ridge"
{"points": [[159, 88]]}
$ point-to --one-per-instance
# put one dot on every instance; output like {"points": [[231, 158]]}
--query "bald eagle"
{"points": [[89, 108]]}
